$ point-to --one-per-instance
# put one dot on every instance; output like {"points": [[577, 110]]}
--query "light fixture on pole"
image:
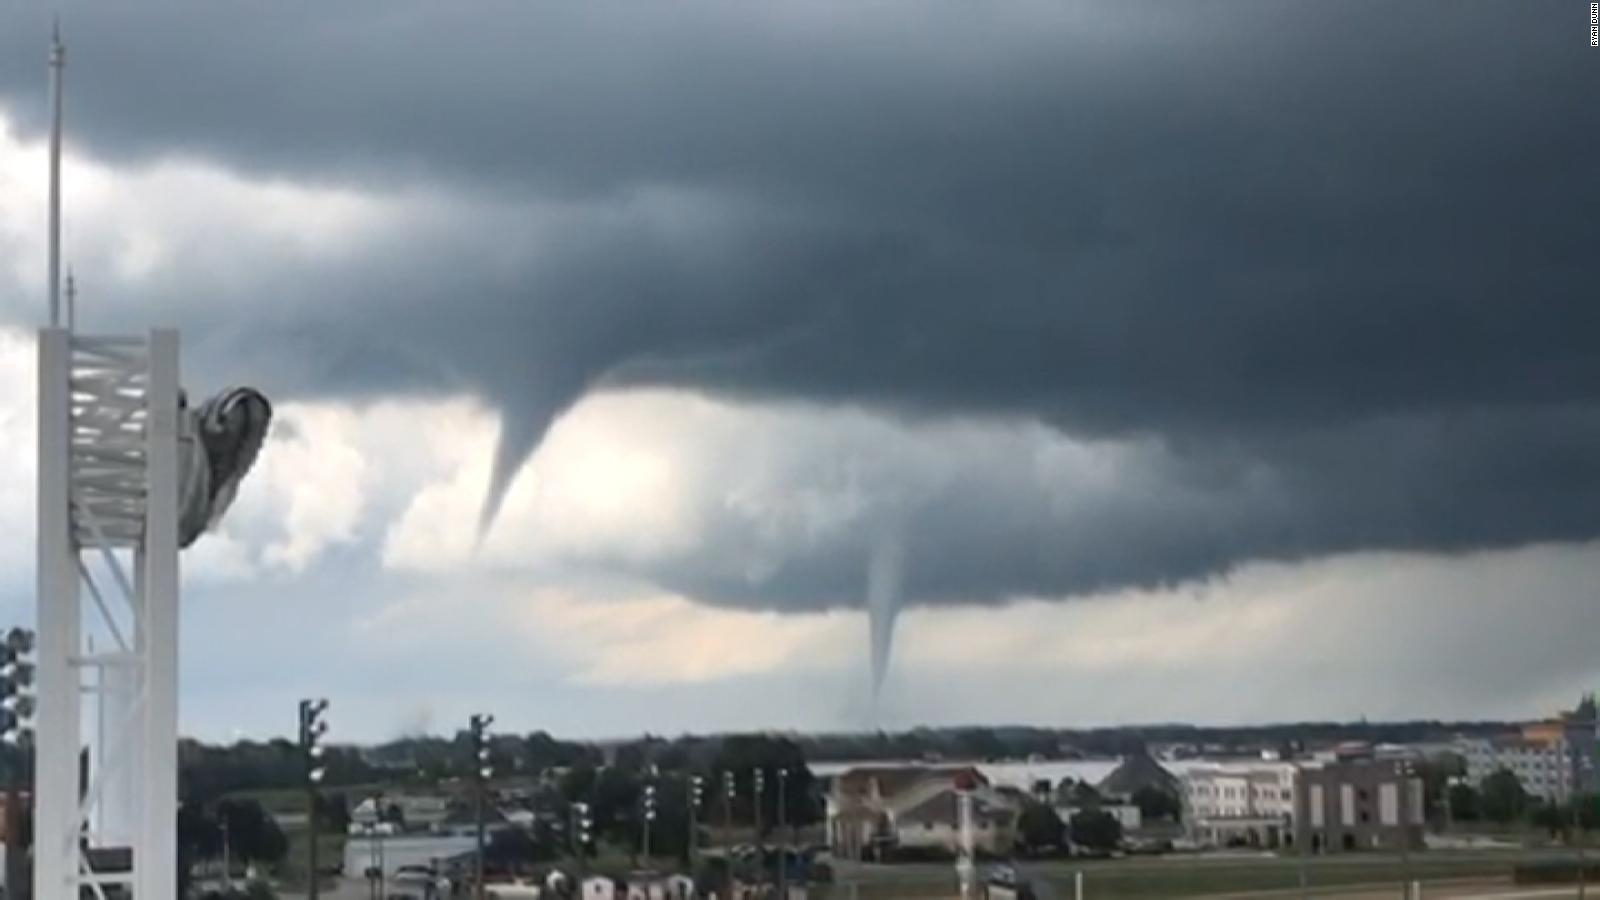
{"points": [[648, 806], [483, 771], [757, 783], [16, 728], [697, 786], [783, 835], [16, 686], [312, 728], [582, 831]]}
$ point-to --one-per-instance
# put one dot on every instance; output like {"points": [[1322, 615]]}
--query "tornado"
{"points": [[885, 576]]}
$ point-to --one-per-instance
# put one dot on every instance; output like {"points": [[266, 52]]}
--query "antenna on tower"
{"points": [[58, 62]]}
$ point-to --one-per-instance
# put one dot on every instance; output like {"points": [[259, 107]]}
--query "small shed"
{"points": [[598, 887]]}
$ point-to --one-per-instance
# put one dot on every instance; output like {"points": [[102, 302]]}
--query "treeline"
{"points": [[980, 743], [210, 771]]}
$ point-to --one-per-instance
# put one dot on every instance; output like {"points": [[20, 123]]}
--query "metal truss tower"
{"points": [[110, 429]]}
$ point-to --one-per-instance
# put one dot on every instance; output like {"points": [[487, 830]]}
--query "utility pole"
{"points": [[729, 791], [227, 862], [1302, 828], [1577, 814], [312, 727], [783, 835], [581, 831], [649, 815], [757, 788], [1405, 829], [696, 797], [479, 725]]}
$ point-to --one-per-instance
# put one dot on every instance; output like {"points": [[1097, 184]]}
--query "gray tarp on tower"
{"points": [[220, 442]]}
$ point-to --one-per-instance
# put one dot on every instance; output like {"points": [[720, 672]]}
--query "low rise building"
{"points": [[1552, 759], [1245, 803], [877, 810], [1347, 800], [1360, 804]]}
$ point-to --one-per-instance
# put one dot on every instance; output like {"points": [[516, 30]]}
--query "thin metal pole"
{"points": [[1302, 827], [58, 63], [482, 787], [312, 888], [1577, 831], [694, 823], [757, 790], [1405, 830], [227, 861], [783, 840]]}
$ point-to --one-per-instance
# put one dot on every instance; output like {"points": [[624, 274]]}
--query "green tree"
{"points": [[1155, 803], [1464, 805], [1096, 829], [1501, 797], [253, 835], [395, 815], [743, 755], [1588, 808], [1551, 817], [1040, 827], [333, 812]]}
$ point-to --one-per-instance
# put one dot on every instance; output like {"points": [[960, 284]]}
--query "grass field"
{"points": [[1183, 876]]}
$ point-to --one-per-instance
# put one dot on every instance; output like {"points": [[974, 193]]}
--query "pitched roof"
{"points": [[1135, 772], [892, 780], [944, 806]]}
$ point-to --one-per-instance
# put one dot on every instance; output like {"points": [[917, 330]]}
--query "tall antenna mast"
{"points": [[58, 62]]}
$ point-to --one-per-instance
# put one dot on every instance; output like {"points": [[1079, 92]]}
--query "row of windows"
{"points": [[1231, 793]]}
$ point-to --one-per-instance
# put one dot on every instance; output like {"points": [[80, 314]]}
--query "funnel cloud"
{"points": [[1131, 296], [884, 584]]}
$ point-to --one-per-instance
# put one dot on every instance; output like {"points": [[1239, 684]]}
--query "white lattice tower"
{"points": [[109, 432]]}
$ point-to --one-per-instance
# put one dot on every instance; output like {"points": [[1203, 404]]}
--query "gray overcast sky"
{"points": [[1078, 311]]}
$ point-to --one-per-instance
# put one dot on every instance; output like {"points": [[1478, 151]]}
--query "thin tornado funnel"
{"points": [[884, 580]]}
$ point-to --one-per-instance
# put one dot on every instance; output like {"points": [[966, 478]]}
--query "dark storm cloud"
{"points": [[1346, 245]]}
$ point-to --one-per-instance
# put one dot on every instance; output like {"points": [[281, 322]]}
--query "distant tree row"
{"points": [[614, 792], [1501, 799], [1040, 829]]}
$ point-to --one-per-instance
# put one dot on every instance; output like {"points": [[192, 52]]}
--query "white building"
{"points": [[1544, 766], [1247, 803]]}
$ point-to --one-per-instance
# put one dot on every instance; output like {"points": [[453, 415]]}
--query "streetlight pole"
{"points": [[783, 835], [649, 817], [757, 789], [696, 787], [17, 701], [1405, 829], [579, 829], [227, 864], [482, 772], [729, 790], [1577, 816], [312, 727]]}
